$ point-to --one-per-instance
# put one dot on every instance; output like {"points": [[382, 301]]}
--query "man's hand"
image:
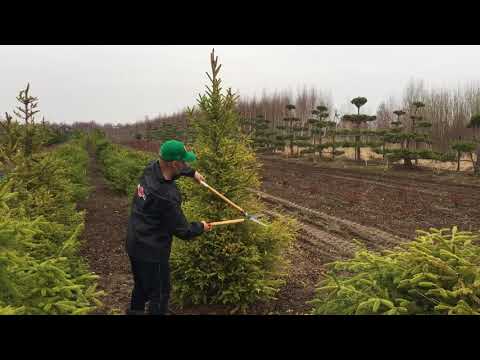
{"points": [[198, 177], [206, 226]]}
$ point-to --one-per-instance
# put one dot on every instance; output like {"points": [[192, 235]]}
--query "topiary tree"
{"points": [[397, 125], [474, 124], [234, 265], [289, 128], [261, 138], [358, 120], [410, 140], [317, 129], [332, 131], [415, 120], [464, 147]]}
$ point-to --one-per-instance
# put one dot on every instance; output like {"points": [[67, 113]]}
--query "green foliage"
{"points": [[166, 132], [447, 157], [359, 102], [474, 121], [233, 265], [359, 119], [410, 140], [40, 269], [121, 167], [437, 273], [424, 124], [264, 139], [464, 147], [398, 154]]}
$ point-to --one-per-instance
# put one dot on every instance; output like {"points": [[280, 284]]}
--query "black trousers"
{"points": [[151, 284]]}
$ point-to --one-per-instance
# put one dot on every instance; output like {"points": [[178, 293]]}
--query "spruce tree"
{"points": [[234, 264], [26, 113], [9, 143]]}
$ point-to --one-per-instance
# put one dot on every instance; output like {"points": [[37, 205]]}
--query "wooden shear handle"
{"points": [[226, 222], [222, 197]]}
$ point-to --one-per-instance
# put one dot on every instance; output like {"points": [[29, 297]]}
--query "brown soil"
{"points": [[398, 204], [104, 237]]}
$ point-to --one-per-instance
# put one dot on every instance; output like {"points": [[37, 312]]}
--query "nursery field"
{"points": [[336, 204], [299, 215]]}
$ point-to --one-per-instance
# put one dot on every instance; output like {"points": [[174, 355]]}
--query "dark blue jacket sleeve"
{"points": [[186, 172], [178, 224]]}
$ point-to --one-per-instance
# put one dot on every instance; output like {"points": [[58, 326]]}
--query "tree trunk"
{"points": [[459, 155], [314, 151], [333, 148], [476, 165], [357, 148]]}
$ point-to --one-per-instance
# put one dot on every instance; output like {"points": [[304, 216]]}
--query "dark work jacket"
{"points": [[156, 216]]}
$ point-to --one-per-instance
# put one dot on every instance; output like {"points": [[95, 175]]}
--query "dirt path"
{"points": [[104, 237]]}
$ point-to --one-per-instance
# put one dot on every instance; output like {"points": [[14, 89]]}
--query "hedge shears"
{"points": [[246, 215]]}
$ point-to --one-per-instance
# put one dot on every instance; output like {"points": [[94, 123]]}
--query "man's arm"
{"points": [[191, 173], [188, 172], [178, 224]]}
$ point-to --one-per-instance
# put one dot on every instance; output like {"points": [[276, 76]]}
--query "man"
{"points": [[156, 215]]}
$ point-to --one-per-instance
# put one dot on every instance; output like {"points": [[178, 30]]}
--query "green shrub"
{"points": [[437, 273]]}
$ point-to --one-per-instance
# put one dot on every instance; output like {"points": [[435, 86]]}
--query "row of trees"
{"points": [[41, 271], [409, 141], [155, 129], [23, 135], [448, 110]]}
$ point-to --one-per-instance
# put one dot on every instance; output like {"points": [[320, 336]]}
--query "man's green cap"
{"points": [[176, 150]]}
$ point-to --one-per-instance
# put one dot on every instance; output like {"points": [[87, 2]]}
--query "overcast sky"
{"points": [[122, 84]]}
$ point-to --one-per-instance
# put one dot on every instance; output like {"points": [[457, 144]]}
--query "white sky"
{"points": [[121, 84]]}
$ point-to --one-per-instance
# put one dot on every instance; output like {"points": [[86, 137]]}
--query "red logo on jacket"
{"points": [[141, 192]]}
